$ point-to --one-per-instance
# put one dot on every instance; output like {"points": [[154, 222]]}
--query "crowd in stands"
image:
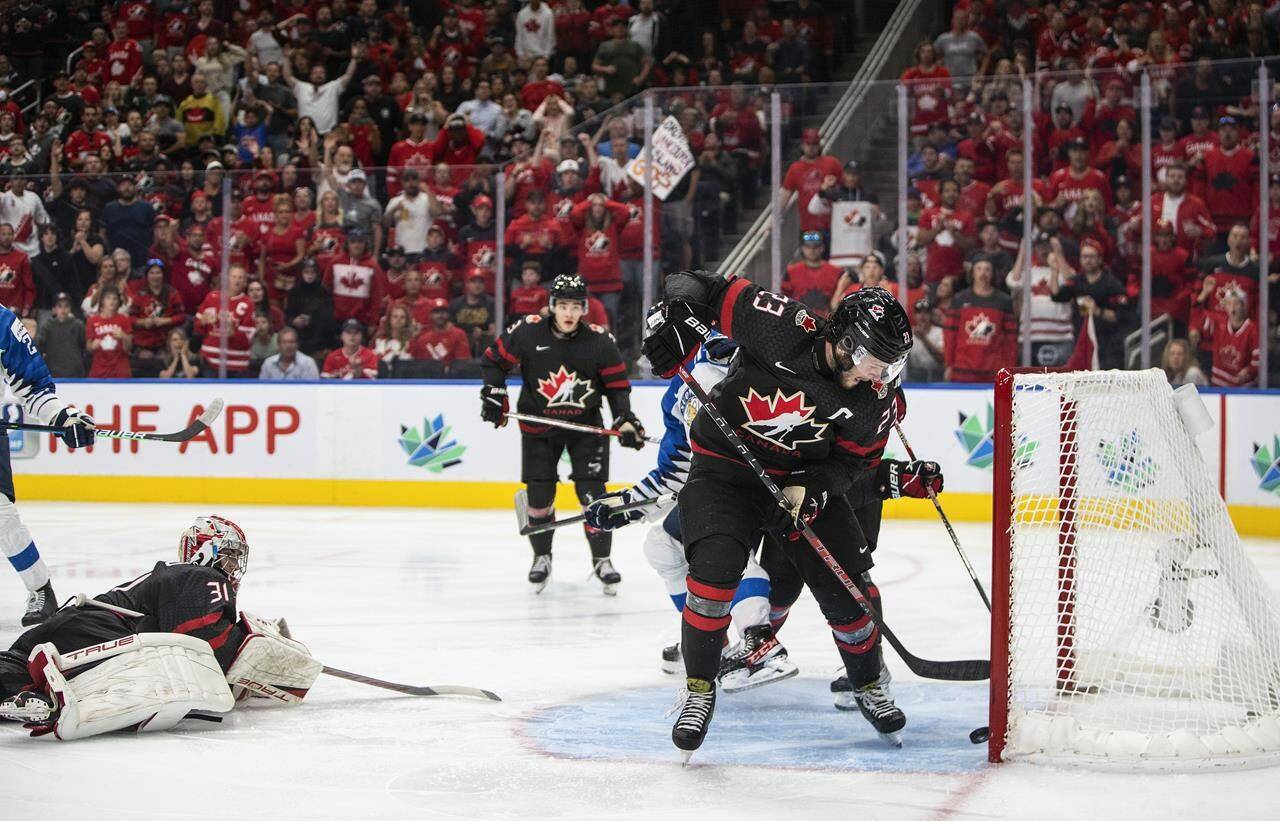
{"points": [[967, 250], [334, 163]]}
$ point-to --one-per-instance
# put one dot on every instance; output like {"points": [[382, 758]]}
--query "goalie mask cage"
{"points": [[1129, 629]]}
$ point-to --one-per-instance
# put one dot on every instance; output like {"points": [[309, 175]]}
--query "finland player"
{"points": [[28, 379], [759, 658], [90, 670], [568, 367]]}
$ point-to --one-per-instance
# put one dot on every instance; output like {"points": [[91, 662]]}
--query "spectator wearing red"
{"points": [[1273, 223], [929, 84], [1101, 117], [414, 297], [281, 250], [479, 237], [569, 190], [327, 235], [1192, 224], [1195, 146], [526, 174], [353, 278], [353, 360], [452, 45], [740, 127], [535, 236], [1167, 149], [1067, 185], [1235, 272], [156, 308], [973, 192], [1173, 278], [458, 144], [108, 338], [1121, 156], [124, 56], [871, 275], [805, 177], [195, 270], [414, 151], [948, 233], [537, 88], [1005, 201], [1230, 336], [1057, 42], [237, 323], [599, 222], [979, 147], [1232, 174], [980, 329], [87, 139], [812, 279], [529, 297], [440, 266], [259, 207], [1064, 131], [17, 285], [441, 341]]}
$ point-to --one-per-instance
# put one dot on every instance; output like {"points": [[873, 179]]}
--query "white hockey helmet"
{"points": [[214, 541]]}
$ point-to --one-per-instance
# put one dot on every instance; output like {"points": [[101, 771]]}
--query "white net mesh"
{"points": [[1139, 632]]}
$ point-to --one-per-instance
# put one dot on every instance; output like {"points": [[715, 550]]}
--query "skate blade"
{"points": [[892, 739], [538, 587], [685, 755], [611, 589], [672, 667], [846, 706], [737, 684]]}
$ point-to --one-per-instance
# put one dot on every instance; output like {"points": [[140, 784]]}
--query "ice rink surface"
{"points": [[437, 597]]}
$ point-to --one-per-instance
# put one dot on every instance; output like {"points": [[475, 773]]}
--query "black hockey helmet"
{"points": [[870, 322], [568, 286]]}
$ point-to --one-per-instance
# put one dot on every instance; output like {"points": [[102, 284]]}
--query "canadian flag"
{"points": [[352, 281], [1085, 355]]}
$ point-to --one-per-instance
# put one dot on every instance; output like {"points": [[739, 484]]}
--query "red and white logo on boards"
{"points": [[782, 419], [563, 389]]}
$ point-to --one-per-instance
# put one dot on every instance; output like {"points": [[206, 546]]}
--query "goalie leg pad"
{"points": [[269, 665], [152, 682]]}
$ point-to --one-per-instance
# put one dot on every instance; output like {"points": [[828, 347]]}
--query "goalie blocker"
{"points": [[155, 649]]}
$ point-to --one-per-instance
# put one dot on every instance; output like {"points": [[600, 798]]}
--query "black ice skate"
{"points": [[877, 707], [603, 570], [696, 703], [41, 604], [672, 659], [842, 691], [540, 572], [757, 660], [27, 707]]}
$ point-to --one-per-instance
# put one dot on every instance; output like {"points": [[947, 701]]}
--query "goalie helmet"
{"points": [[870, 322], [213, 541], [568, 286]]}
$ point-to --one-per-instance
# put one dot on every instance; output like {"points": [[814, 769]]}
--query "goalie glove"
{"points": [[896, 479], [269, 665]]}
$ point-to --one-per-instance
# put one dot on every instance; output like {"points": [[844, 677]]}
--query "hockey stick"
{"points": [[526, 529], [81, 600], [560, 423], [189, 432], [951, 531], [971, 670]]}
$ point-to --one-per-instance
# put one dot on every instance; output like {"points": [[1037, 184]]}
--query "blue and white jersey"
{"points": [[24, 371], [679, 407]]}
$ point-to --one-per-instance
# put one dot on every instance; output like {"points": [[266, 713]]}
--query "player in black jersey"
{"points": [[814, 400], [93, 667], [568, 367]]}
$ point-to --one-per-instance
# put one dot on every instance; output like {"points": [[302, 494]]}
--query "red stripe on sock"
{"points": [[700, 622], [858, 649], [706, 591]]}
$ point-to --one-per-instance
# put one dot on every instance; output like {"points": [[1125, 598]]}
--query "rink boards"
{"points": [[422, 444]]}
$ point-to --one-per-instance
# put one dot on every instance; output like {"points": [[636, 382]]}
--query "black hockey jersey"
{"points": [[780, 395], [184, 598], [564, 377]]}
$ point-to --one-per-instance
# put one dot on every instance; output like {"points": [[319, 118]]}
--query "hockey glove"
{"points": [[630, 431], [494, 405], [674, 334], [601, 514], [915, 479], [77, 427], [804, 504]]}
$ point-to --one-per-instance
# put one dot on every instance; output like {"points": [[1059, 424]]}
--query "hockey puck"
{"points": [[980, 735]]}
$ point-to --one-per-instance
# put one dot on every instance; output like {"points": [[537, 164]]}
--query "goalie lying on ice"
{"points": [[151, 651]]}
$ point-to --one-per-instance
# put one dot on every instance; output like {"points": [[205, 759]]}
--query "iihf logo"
{"points": [[1266, 463], [563, 389], [975, 435]]}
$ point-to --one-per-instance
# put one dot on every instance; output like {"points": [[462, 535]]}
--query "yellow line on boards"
{"points": [[961, 507]]}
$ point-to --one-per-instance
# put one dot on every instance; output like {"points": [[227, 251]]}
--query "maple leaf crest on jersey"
{"points": [[785, 420], [563, 389], [484, 258]]}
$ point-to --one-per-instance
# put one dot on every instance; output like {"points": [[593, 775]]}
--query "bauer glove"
{"points": [[494, 405], [603, 513], [915, 479], [674, 333], [77, 427], [630, 431], [805, 502]]}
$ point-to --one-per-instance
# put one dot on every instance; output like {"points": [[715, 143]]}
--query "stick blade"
{"points": [[211, 413], [522, 511]]}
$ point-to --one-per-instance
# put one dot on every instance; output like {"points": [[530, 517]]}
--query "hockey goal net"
{"points": [[1129, 627]]}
